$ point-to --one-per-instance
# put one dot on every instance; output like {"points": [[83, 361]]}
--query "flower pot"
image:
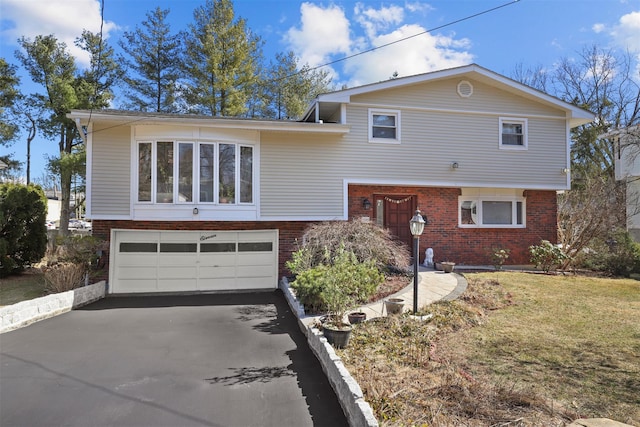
{"points": [[357, 317], [447, 267], [394, 305], [337, 336]]}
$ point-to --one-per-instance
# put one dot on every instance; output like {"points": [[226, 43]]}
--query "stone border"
{"points": [[27, 312], [348, 391]]}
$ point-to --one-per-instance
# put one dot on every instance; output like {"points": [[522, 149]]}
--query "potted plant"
{"points": [[357, 317], [447, 266], [339, 284]]}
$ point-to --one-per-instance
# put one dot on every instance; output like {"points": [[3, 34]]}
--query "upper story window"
{"points": [[188, 172], [513, 133], [496, 211], [384, 126]]}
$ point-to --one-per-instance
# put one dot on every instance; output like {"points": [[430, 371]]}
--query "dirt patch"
{"points": [[390, 286]]}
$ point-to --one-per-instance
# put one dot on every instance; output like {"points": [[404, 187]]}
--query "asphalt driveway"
{"points": [[205, 360]]}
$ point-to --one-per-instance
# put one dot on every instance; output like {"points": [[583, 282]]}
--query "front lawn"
{"points": [[516, 349], [21, 287]]}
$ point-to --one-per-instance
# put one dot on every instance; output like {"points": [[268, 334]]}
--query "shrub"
{"points": [[75, 248], [547, 256], [618, 255], [367, 241], [339, 283], [64, 276], [498, 257], [23, 233]]}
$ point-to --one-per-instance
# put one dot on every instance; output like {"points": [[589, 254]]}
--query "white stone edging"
{"points": [[357, 410], [27, 312]]}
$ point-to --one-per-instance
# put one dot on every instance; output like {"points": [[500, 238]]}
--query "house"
{"points": [[627, 169], [193, 203]]}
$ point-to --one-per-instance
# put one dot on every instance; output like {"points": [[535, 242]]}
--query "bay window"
{"points": [[201, 172]]}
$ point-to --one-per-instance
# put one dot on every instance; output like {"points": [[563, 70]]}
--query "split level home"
{"points": [[193, 203], [627, 169]]}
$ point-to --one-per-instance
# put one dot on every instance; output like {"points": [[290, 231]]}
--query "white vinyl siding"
{"points": [[303, 176], [110, 171]]}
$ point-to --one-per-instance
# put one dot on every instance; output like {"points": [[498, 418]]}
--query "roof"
{"points": [[121, 117], [576, 115]]}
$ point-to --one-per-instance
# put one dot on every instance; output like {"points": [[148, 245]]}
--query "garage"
{"points": [[145, 261]]}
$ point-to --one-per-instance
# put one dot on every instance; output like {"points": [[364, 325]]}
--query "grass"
{"points": [[516, 349], [25, 286]]}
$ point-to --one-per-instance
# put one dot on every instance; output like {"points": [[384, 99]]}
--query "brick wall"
{"points": [[470, 246]]}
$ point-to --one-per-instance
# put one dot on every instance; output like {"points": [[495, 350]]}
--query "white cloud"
{"points": [[417, 55], [63, 18], [324, 34], [627, 32], [598, 28]]}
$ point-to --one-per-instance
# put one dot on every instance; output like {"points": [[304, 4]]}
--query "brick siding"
{"points": [[470, 246]]}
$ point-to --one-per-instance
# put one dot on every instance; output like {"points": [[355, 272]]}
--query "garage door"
{"points": [[188, 261]]}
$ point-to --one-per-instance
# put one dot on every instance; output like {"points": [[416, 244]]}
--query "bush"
{"points": [[367, 241], [618, 255], [23, 233], [338, 284], [76, 249], [64, 276], [547, 256]]}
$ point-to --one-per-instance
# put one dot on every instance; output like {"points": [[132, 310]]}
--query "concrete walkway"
{"points": [[432, 286]]}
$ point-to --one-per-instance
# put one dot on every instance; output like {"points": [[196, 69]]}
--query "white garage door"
{"points": [[187, 261]]}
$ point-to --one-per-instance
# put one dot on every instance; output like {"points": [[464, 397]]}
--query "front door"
{"points": [[394, 213]]}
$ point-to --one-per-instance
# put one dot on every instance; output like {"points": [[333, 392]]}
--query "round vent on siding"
{"points": [[465, 89]]}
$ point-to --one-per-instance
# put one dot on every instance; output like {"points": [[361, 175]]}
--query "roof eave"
{"points": [[83, 117]]}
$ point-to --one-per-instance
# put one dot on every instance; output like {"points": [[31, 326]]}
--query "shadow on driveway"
{"points": [[213, 360]]}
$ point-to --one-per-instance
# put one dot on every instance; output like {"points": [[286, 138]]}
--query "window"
{"points": [[513, 133], [201, 172], [384, 126], [491, 212]]}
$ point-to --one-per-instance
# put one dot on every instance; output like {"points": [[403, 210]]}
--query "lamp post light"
{"points": [[417, 227]]}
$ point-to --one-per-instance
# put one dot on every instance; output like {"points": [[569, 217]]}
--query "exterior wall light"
{"points": [[455, 165], [195, 211], [366, 204]]}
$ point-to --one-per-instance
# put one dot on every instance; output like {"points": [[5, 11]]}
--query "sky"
{"points": [[496, 34]]}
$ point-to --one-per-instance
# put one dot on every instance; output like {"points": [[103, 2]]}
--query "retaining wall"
{"points": [[348, 391], [26, 312]]}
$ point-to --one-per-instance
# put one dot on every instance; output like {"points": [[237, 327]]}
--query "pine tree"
{"points": [[50, 65], [221, 60], [155, 57], [289, 90]]}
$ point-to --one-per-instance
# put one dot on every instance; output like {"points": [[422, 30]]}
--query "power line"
{"points": [[403, 39]]}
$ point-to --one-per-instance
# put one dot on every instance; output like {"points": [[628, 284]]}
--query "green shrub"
{"points": [[618, 255], [547, 256], [341, 282], [367, 241], [23, 233]]}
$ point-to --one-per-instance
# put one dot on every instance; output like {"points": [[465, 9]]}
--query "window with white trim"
{"points": [[384, 126], [513, 133], [491, 212], [202, 172]]}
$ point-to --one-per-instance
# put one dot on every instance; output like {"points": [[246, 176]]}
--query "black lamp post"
{"points": [[417, 227]]}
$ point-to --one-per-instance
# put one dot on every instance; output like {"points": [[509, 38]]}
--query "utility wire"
{"points": [[475, 15], [402, 39]]}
